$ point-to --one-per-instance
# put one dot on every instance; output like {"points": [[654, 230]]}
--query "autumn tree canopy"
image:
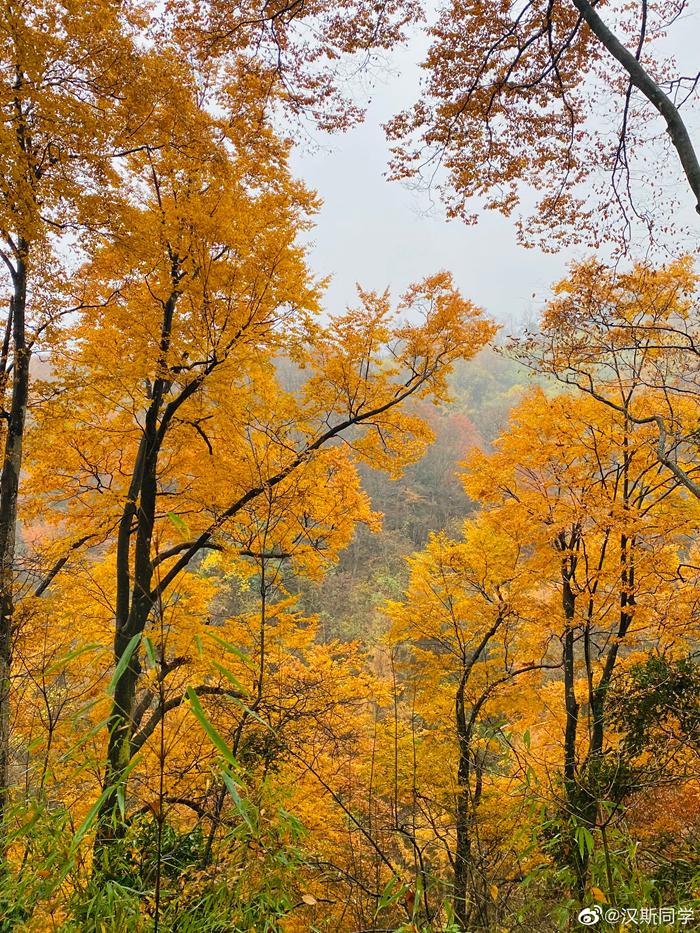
{"points": [[575, 101]]}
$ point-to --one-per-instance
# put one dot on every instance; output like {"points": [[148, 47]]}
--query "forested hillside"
{"points": [[364, 619], [428, 497]]}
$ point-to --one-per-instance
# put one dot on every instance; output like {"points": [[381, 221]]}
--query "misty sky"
{"points": [[382, 234]]}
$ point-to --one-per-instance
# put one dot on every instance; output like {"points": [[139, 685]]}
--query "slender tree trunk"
{"points": [[467, 803], [579, 859], [570, 702], [462, 859], [9, 488]]}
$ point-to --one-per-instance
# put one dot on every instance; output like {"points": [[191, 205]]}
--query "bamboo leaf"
{"points": [[232, 679], [71, 656], [231, 649], [150, 651], [87, 823], [179, 523], [214, 737], [240, 805], [124, 662]]}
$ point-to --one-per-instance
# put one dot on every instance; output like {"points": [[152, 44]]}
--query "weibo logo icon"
{"points": [[589, 916]]}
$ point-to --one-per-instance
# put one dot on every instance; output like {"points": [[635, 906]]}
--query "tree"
{"points": [[167, 419], [578, 485], [513, 99], [294, 52], [630, 341], [84, 90], [465, 641], [65, 72]]}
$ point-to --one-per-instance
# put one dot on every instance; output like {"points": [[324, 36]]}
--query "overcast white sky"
{"points": [[382, 234]]}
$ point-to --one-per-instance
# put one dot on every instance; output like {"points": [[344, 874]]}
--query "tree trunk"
{"points": [[578, 859], [134, 596], [9, 488], [462, 859]]}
